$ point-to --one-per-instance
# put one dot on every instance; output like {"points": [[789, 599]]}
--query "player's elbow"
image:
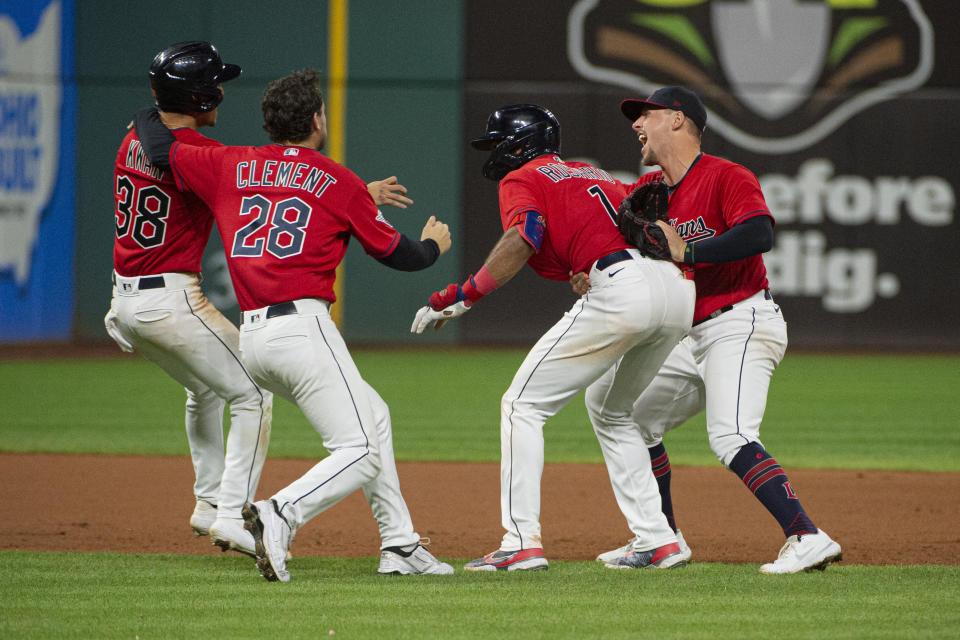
{"points": [[765, 236]]}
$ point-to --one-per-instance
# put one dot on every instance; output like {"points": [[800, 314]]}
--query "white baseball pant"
{"points": [[177, 328], [634, 314], [302, 357], [723, 366]]}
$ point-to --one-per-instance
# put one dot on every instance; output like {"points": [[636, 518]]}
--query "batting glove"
{"points": [[427, 316]]}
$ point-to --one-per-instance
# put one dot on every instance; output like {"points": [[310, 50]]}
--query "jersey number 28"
{"points": [[287, 220]]}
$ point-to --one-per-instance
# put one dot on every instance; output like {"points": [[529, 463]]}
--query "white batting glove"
{"points": [[427, 316]]}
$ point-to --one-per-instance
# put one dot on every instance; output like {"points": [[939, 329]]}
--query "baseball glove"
{"points": [[637, 216]]}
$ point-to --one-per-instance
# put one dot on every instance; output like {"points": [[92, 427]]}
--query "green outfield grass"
{"points": [[867, 412], [853, 412], [47, 595]]}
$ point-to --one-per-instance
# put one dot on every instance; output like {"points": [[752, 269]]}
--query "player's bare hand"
{"points": [[389, 191], [580, 282], [677, 244], [437, 231]]}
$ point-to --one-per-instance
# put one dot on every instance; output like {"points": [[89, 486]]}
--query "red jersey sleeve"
{"points": [[520, 207], [740, 196], [196, 169], [377, 236]]}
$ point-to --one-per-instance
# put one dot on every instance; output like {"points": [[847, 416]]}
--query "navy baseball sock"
{"points": [[766, 479], [661, 471]]}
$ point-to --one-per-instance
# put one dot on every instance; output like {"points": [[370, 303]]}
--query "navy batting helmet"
{"points": [[517, 134], [186, 75]]}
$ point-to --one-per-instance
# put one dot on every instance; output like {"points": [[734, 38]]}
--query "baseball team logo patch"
{"points": [[776, 76]]}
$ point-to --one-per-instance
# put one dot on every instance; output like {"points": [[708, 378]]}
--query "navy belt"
{"points": [[151, 282], [710, 316], [613, 258], [281, 309]]}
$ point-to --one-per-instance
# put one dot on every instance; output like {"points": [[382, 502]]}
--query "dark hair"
{"points": [[289, 104]]}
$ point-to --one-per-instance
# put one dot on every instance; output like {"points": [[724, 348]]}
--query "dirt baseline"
{"points": [[143, 504]]}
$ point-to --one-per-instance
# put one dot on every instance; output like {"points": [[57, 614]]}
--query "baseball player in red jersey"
{"points": [[285, 213], [720, 227], [159, 309], [559, 217]]}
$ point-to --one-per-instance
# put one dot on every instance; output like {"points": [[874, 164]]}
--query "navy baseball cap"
{"points": [[676, 98]]}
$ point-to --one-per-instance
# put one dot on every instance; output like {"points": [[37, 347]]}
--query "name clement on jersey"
{"points": [[273, 173], [136, 159]]}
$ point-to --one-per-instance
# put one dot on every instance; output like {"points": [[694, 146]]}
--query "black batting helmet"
{"points": [[186, 75], [517, 134]]}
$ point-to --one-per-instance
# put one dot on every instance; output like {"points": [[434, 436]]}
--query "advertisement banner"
{"points": [[37, 106], [842, 108]]}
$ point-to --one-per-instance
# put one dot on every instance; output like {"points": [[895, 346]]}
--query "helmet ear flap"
{"points": [[502, 161]]}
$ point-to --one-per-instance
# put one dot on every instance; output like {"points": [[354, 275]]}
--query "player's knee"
{"points": [[371, 463], [364, 461], [651, 438], [201, 399]]}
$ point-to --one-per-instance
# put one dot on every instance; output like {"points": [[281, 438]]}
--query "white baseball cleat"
{"points": [[805, 552], [230, 535], [271, 537], [418, 562], [202, 518], [609, 556]]}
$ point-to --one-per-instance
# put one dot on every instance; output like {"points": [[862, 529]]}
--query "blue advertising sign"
{"points": [[37, 133]]}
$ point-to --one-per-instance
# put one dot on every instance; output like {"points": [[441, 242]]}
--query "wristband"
{"points": [[479, 285], [688, 254]]}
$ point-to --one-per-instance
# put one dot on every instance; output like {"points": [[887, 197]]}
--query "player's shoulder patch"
{"points": [[534, 228]]}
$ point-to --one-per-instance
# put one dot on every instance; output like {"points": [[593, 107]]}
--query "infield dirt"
{"points": [[142, 505]]}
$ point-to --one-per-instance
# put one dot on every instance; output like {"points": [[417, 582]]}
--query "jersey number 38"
{"points": [[141, 212]]}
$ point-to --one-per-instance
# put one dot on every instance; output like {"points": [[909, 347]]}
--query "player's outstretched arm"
{"points": [[437, 231], [505, 260], [389, 191], [410, 255]]}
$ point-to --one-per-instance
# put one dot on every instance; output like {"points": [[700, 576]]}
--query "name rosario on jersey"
{"points": [[557, 172], [273, 173], [137, 160], [693, 230]]}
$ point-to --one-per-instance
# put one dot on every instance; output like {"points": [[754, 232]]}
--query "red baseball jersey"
{"points": [[285, 215], [713, 196], [566, 211], [158, 228]]}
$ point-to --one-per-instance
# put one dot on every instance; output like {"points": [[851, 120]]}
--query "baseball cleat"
{"points": [[609, 556], [202, 517], [419, 562], [230, 535], [666, 557], [271, 538], [520, 560], [805, 552]]}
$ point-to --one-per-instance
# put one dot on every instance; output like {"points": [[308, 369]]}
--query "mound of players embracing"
{"points": [[652, 342]]}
